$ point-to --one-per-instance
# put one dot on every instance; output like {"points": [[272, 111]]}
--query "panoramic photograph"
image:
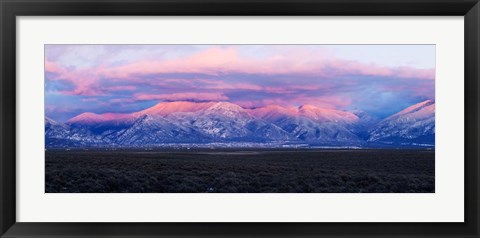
{"points": [[239, 118]]}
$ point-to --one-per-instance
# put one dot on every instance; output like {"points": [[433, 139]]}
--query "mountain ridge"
{"points": [[184, 122]]}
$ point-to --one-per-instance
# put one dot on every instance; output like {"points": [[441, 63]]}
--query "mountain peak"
{"points": [[273, 112], [90, 117], [326, 115], [227, 109], [420, 109], [226, 106], [307, 107], [165, 108], [50, 120], [415, 124]]}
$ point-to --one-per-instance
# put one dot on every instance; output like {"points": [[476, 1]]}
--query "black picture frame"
{"points": [[9, 9]]}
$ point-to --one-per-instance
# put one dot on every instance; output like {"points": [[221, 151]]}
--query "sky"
{"points": [[378, 79]]}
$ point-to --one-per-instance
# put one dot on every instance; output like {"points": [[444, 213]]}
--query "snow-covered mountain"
{"points": [[56, 133], [312, 124], [413, 125], [224, 122]]}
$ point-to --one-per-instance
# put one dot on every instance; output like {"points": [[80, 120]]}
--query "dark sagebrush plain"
{"points": [[245, 171]]}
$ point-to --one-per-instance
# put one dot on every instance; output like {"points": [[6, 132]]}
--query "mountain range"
{"points": [[227, 124]]}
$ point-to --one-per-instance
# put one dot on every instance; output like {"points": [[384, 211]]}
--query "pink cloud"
{"points": [[52, 67], [221, 85], [216, 61], [182, 97], [212, 60], [84, 81], [51, 109], [122, 88], [85, 89], [293, 88]]}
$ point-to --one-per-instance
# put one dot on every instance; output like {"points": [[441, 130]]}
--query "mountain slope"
{"points": [[311, 124], [413, 125], [225, 121]]}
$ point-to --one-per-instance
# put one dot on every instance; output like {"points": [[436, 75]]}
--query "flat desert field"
{"points": [[240, 171]]}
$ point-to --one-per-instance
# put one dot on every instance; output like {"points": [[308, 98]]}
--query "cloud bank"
{"points": [[122, 78]]}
